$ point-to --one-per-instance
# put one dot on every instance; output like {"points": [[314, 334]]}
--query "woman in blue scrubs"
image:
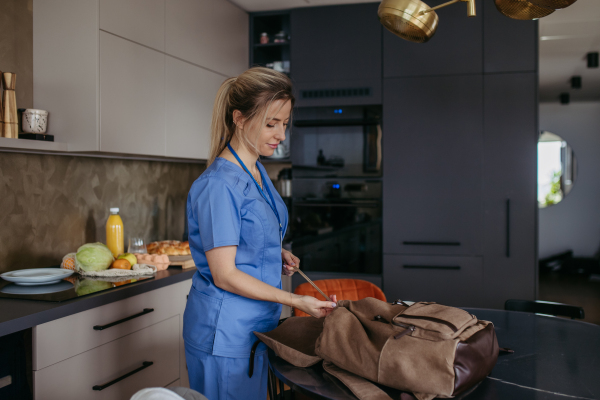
{"points": [[236, 223]]}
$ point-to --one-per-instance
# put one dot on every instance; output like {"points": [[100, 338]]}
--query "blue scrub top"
{"points": [[225, 208]]}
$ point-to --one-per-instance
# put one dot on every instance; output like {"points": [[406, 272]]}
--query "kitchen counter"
{"points": [[16, 315]]}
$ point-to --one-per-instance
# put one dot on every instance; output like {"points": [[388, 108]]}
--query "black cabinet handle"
{"points": [[432, 266], [507, 228], [102, 327], [431, 243], [145, 365]]}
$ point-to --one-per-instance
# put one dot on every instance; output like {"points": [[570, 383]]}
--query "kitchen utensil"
{"points": [[11, 121], [414, 20], [184, 262], [137, 245], [37, 276], [34, 121], [312, 283], [522, 9]]}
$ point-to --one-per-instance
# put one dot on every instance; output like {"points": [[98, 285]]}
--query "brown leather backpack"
{"points": [[428, 349]]}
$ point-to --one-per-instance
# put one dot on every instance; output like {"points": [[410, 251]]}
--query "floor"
{"points": [[575, 289]]}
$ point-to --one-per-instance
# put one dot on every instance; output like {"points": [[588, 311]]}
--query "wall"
{"points": [[16, 46], [574, 223], [50, 205]]}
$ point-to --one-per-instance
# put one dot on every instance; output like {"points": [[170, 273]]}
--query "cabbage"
{"points": [[93, 257]]}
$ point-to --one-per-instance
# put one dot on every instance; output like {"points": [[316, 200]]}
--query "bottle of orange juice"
{"points": [[114, 233]]}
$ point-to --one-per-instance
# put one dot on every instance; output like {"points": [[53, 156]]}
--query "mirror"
{"points": [[557, 169]]}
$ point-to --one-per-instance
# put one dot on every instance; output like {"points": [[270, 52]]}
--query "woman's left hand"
{"points": [[290, 262]]}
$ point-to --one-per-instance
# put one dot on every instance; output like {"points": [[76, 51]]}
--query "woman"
{"points": [[236, 224]]}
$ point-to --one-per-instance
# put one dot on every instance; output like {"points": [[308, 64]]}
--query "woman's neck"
{"points": [[248, 158]]}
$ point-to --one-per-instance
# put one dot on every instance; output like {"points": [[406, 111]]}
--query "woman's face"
{"points": [[273, 131]]}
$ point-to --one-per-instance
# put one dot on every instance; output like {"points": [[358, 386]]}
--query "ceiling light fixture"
{"points": [[592, 60], [565, 98], [576, 82], [555, 4], [522, 9], [414, 20]]}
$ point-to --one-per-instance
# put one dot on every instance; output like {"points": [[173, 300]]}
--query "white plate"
{"points": [[36, 276]]}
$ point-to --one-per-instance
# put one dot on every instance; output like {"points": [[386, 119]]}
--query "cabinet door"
{"points": [[209, 33], [190, 93], [337, 43], [456, 47], [510, 151], [132, 97], [453, 281], [508, 45], [142, 21], [432, 155]]}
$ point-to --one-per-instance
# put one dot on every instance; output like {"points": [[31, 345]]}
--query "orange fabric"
{"points": [[344, 289]]}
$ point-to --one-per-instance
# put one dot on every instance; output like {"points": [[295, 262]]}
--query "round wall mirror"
{"points": [[557, 169]]}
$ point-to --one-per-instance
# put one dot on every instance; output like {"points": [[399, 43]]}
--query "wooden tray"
{"points": [[184, 262]]}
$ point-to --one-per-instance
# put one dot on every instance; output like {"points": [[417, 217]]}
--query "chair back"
{"points": [[344, 289], [545, 307]]}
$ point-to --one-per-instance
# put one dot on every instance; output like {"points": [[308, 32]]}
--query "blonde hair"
{"points": [[252, 93]]}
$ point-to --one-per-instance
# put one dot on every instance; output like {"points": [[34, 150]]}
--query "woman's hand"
{"points": [[290, 262], [312, 306]]}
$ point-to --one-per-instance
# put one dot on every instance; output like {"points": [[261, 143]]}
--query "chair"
{"points": [[545, 307], [344, 289]]}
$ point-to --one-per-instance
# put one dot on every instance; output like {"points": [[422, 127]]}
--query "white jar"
{"points": [[35, 121]]}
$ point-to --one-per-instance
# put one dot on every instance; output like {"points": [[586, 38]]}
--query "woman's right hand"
{"points": [[312, 306]]}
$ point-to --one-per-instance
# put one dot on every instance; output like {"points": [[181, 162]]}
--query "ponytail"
{"points": [[252, 93], [221, 128]]}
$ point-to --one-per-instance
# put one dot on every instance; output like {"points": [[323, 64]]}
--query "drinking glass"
{"points": [[137, 245]]}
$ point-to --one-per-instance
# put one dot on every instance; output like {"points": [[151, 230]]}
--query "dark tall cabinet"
{"points": [[460, 154], [336, 55]]}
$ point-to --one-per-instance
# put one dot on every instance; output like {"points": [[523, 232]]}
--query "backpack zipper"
{"points": [[409, 330], [432, 319]]}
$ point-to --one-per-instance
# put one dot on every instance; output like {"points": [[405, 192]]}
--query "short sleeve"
{"points": [[217, 210]]}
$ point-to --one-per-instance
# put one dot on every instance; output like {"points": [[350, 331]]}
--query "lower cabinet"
{"points": [[449, 280], [116, 370], [140, 345]]}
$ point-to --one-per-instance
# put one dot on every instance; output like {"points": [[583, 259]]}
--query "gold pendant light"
{"points": [[413, 20], [522, 9], [555, 4]]}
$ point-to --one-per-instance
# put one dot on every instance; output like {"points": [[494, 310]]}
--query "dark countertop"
{"points": [[16, 315], [554, 359]]}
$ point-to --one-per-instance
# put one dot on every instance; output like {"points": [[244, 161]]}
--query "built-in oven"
{"points": [[336, 142], [336, 225]]}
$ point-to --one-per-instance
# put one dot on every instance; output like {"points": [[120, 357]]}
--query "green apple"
{"points": [[129, 257]]}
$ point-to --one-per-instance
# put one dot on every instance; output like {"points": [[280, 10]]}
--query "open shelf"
{"points": [[37, 145]]}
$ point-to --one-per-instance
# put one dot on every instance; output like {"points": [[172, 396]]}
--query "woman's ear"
{"points": [[238, 119]]}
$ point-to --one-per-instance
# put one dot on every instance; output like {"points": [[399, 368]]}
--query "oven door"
{"points": [[338, 236]]}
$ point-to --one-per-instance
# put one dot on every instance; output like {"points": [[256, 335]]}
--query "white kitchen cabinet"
{"points": [[142, 21], [99, 69], [190, 97], [79, 377], [210, 33], [132, 97], [69, 353]]}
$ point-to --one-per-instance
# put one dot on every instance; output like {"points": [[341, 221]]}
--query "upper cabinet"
{"points": [[132, 98], [190, 98], [337, 43], [135, 76], [456, 47], [210, 33], [508, 45], [141, 21]]}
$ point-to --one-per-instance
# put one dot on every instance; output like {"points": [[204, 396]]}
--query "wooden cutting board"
{"points": [[184, 262]]}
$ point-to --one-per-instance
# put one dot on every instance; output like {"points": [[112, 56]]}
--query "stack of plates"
{"points": [[37, 276]]}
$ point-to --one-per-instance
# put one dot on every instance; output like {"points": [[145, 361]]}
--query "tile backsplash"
{"points": [[50, 205]]}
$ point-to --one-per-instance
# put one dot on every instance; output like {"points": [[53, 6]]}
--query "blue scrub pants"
{"points": [[224, 378]]}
